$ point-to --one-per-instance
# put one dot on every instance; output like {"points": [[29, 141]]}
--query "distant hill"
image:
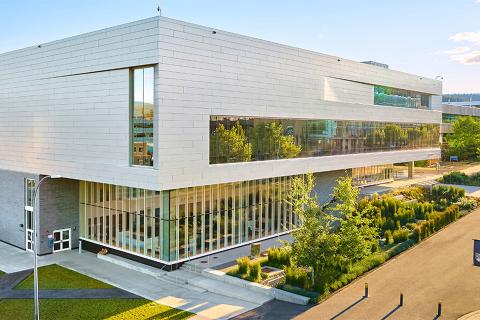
{"points": [[461, 97], [145, 109]]}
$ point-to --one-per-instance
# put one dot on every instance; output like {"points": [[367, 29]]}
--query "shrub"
{"points": [[467, 204], [375, 246], [421, 209], [455, 178], [279, 257], [450, 193], [243, 265], [413, 193], [400, 235], [411, 226], [461, 178], [297, 277], [417, 234], [255, 271], [388, 237]]}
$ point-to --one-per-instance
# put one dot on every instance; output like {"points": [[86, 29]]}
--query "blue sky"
{"points": [[426, 37]]}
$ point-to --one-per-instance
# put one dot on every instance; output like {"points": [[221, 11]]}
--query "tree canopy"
{"points": [[464, 141], [330, 238], [230, 145]]}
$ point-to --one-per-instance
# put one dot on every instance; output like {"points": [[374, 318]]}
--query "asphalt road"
{"points": [[439, 269]]}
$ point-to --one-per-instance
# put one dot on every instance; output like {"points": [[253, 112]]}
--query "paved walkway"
{"points": [[228, 258], [439, 269], [206, 305], [426, 177]]}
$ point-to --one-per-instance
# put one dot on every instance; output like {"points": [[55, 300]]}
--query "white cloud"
{"points": [[466, 36], [470, 58], [457, 50]]}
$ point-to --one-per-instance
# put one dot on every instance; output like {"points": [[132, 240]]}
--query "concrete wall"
{"points": [[59, 209], [12, 214], [64, 105]]}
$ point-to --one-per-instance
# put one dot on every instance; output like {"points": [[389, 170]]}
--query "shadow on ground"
{"points": [[274, 310]]}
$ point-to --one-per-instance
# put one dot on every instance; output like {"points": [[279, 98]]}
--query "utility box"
{"points": [[255, 250]]}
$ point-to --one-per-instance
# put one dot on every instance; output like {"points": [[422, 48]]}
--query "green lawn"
{"points": [[1, 273], [114, 309], [57, 277]]}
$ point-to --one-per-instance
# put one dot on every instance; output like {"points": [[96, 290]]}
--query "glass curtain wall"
{"points": [[241, 139], [386, 96], [142, 84], [182, 223]]}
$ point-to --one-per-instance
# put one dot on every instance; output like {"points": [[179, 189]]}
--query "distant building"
{"points": [[458, 105]]}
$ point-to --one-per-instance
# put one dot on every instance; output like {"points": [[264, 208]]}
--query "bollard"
{"points": [[439, 309], [80, 247], [366, 290], [401, 300]]}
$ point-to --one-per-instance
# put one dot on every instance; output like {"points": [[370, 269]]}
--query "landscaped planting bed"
{"points": [[402, 219]]}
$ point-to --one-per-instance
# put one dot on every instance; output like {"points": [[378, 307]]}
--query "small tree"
{"points": [[315, 243], [270, 142], [230, 145], [357, 232]]}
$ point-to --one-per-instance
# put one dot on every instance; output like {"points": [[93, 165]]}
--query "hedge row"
{"points": [[435, 221]]}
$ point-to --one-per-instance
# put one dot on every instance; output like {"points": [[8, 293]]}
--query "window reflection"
{"points": [[142, 116], [241, 139], [386, 96]]}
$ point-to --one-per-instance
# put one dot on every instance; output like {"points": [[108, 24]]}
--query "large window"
{"points": [[182, 223], [386, 96], [241, 139], [142, 116]]}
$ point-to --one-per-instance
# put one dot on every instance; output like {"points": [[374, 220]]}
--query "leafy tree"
{"points": [[230, 145], [357, 231], [270, 142], [395, 135], [315, 243], [464, 142]]}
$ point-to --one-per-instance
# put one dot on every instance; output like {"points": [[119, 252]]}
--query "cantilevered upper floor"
{"points": [[141, 104]]}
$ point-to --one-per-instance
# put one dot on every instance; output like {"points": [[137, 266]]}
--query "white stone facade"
{"points": [[64, 105]]}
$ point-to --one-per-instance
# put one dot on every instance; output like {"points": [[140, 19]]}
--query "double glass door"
{"points": [[61, 240]]}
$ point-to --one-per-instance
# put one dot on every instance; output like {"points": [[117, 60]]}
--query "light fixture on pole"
{"points": [[35, 248]]}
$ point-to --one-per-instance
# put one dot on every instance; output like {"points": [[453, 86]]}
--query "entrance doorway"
{"points": [[61, 240], [29, 231]]}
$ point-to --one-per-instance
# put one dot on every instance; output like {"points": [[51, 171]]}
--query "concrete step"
{"points": [[193, 267], [157, 273], [229, 290]]}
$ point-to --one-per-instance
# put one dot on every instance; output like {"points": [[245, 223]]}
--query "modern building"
{"points": [[175, 140], [458, 105]]}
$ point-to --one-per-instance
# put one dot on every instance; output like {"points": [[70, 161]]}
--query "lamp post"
{"points": [[35, 247]]}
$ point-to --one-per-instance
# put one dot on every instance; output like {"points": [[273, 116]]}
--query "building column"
{"points": [[411, 166]]}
